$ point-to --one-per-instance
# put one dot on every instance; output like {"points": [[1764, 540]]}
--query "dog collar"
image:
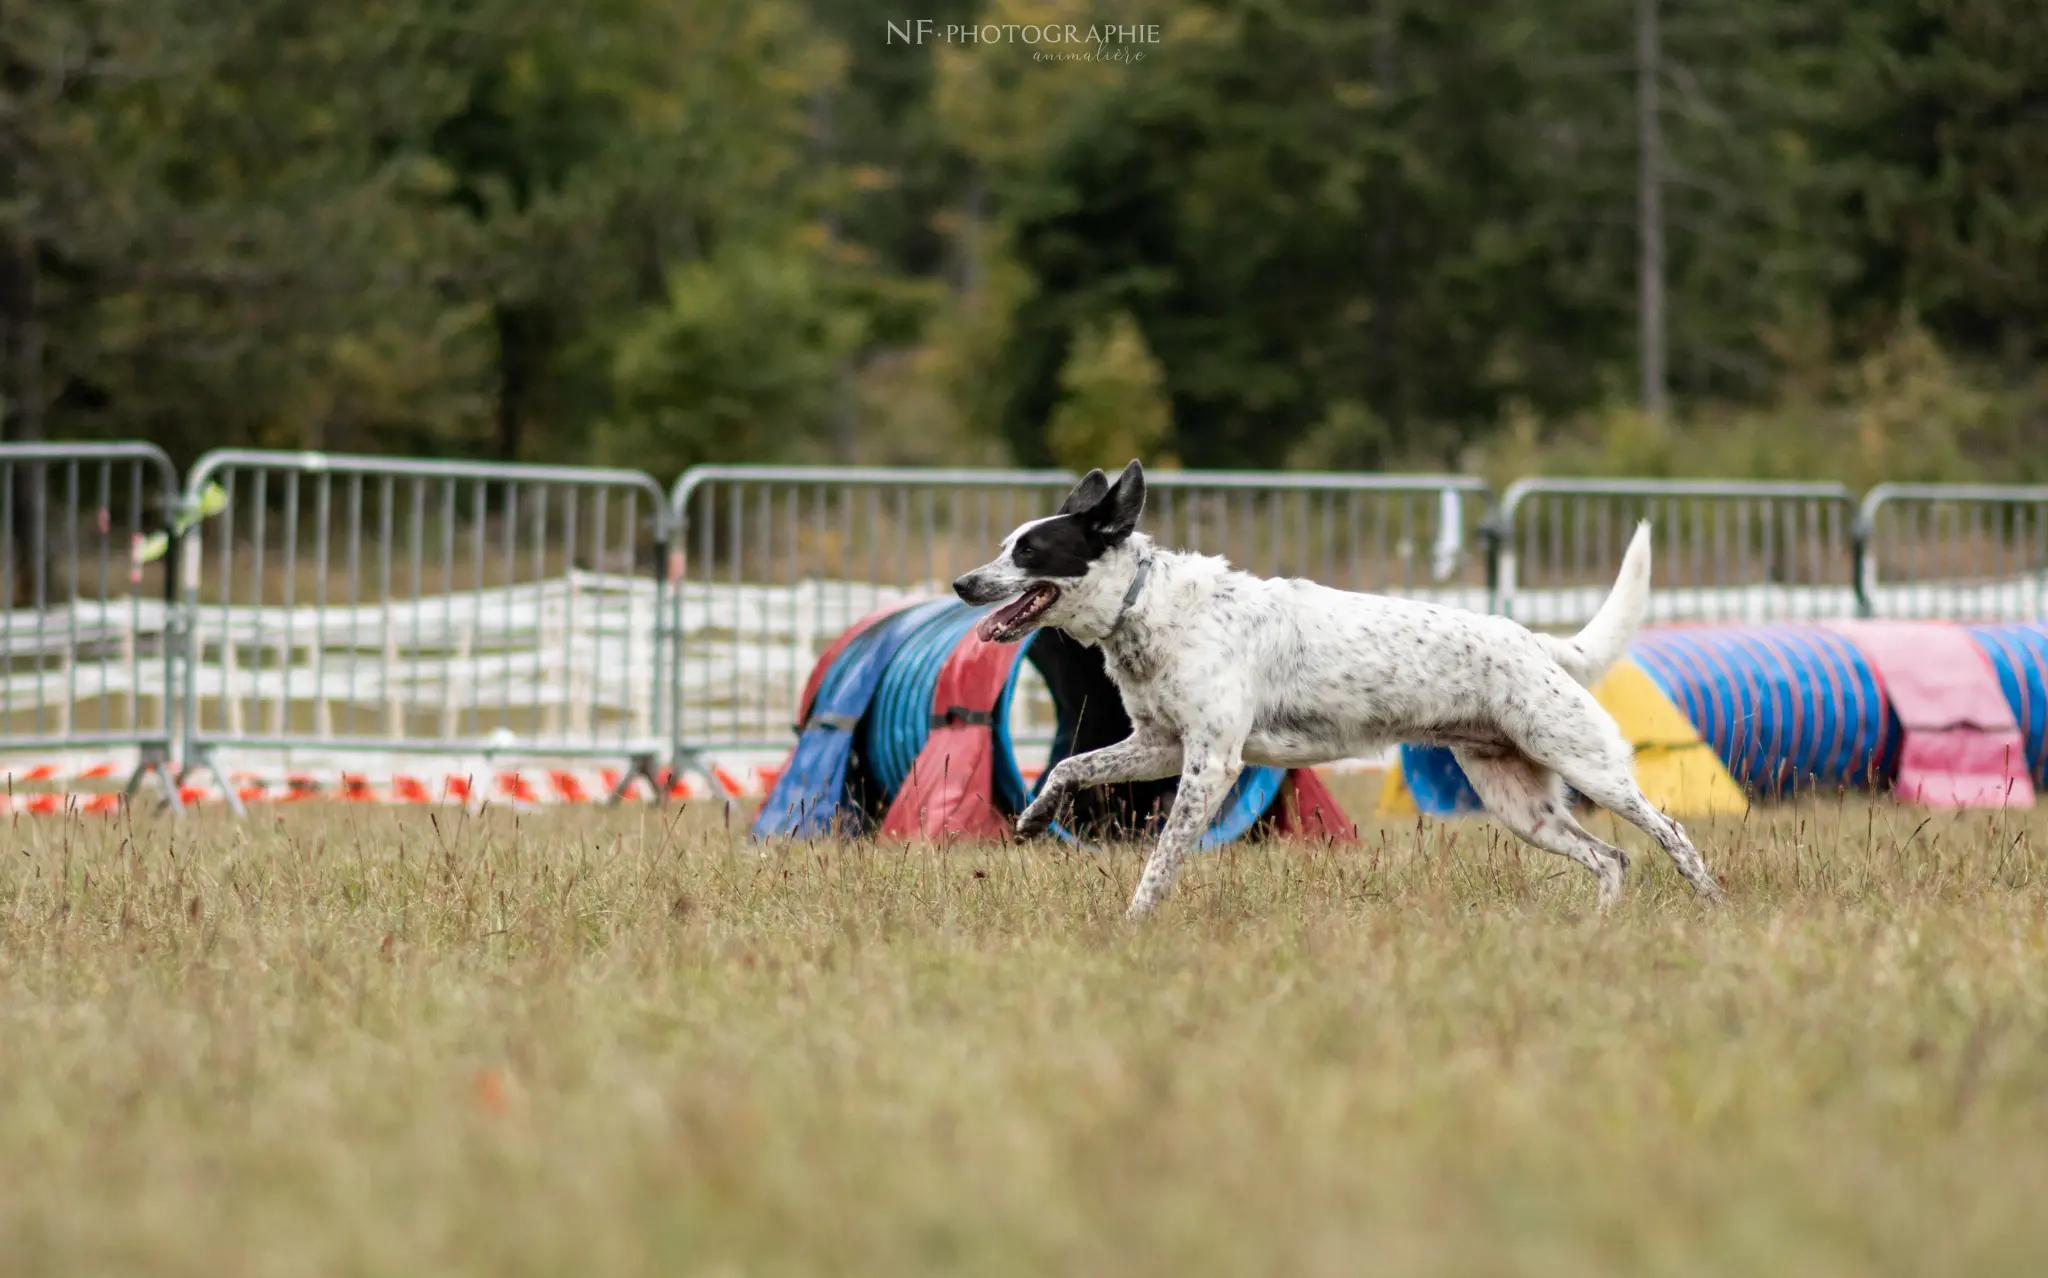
{"points": [[1131, 595]]}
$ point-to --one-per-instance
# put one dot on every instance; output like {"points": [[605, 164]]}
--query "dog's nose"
{"points": [[961, 587]]}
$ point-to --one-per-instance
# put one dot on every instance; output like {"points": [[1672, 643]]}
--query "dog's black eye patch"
{"points": [[1061, 547]]}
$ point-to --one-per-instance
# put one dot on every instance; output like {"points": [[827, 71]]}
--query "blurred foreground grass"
{"points": [[367, 1041]]}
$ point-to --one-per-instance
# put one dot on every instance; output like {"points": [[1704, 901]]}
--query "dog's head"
{"points": [[1053, 566]]}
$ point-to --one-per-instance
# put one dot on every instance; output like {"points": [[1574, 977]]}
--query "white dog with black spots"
{"points": [[1219, 668]]}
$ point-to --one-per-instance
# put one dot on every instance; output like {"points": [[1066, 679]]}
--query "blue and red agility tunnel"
{"points": [[1939, 714], [905, 732]]}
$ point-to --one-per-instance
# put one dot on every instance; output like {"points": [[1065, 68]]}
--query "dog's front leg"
{"points": [[1207, 774], [1135, 758]]}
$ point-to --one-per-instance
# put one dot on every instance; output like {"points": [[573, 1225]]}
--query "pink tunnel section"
{"points": [[1960, 746]]}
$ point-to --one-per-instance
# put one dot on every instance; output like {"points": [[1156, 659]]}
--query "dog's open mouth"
{"points": [[1013, 621]]}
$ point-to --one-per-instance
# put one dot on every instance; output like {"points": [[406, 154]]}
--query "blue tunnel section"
{"points": [[1787, 708], [900, 719], [809, 798], [1436, 782], [873, 715], [2019, 656]]}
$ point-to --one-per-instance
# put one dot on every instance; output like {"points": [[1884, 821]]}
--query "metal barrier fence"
{"points": [[1723, 551], [322, 606], [1413, 535], [777, 561], [88, 626], [1954, 551], [361, 603]]}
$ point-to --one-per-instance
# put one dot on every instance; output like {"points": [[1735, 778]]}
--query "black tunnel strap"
{"points": [[836, 722], [961, 714]]}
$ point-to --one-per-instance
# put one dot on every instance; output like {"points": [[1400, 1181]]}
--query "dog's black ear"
{"points": [[1086, 495], [1116, 516]]}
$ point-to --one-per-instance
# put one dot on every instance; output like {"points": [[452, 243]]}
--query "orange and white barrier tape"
{"points": [[518, 787], [532, 787]]}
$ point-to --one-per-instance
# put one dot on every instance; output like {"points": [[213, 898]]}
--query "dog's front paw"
{"points": [[1034, 820]]}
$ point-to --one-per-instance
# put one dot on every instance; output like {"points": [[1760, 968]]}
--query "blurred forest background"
{"points": [[1379, 234]]}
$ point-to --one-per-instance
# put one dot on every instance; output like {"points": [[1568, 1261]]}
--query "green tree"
{"points": [[1225, 199], [604, 147], [1113, 402], [236, 230], [1943, 126], [740, 362]]}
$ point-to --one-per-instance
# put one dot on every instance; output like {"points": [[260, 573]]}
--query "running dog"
{"points": [[1219, 668]]}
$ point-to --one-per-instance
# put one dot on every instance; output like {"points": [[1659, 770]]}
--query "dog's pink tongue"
{"points": [[990, 626]]}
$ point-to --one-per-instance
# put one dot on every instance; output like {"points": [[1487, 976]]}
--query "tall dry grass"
{"points": [[367, 1041]]}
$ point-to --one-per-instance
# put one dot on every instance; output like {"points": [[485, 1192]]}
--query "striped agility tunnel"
{"points": [[1936, 713], [905, 732]]}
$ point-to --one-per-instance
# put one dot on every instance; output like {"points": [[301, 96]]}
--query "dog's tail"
{"points": [[1588, 654]]}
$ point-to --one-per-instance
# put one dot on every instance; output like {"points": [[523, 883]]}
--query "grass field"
{"points": [[365, 1041]]}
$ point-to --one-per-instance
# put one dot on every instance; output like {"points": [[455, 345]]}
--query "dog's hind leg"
{"points": [[1585, 748], [1135, 758], [1615, 789], [1207, 773], [1523, 795]]}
